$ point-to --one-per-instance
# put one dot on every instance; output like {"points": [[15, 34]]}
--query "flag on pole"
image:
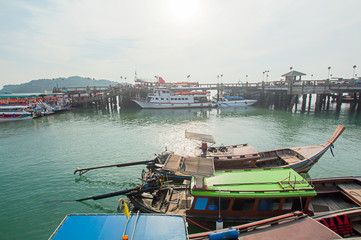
{"points": [[161, 80]]}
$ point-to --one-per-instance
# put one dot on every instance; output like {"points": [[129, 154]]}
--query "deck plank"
{"points": [[353, 190]]}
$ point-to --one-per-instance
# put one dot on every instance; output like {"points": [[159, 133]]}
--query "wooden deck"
{"points": [[351, 190]]}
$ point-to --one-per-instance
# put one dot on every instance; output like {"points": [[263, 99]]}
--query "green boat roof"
{"points": [[260, 183]]}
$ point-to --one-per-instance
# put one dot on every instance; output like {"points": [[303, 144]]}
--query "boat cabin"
{"points": [[250, 194], [165, 95]]}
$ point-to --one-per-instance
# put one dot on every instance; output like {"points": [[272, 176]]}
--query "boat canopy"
{"points": [[195, 166], [233, 97], [200, 137], [260, 183], [112, 226]]}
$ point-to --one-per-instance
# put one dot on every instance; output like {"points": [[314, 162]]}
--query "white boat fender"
{"points": [[224, 235], [219, 224]]}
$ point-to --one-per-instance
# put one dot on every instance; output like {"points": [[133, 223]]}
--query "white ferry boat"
{"points": [[15, 112], [163, 98], [235, 102]]}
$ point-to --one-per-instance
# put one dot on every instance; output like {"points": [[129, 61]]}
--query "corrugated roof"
{"points": [[260, 183], [293, 73]]}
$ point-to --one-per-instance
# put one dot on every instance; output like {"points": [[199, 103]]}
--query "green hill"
{"points": [[41, 85]]}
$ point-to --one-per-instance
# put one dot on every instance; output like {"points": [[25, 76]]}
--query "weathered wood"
{"points": [[352, 190]]}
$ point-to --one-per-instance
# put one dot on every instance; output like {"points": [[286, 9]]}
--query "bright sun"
{"points": [[183, 10]]}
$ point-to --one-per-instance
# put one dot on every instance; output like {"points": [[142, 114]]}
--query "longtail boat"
{"points": [[296, 224], [248, 195], [301, 159], [242, 156]]}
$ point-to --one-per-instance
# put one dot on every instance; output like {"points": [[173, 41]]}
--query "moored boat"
{"points": [[248, 195], [15, 112], [242, 156], [301, 159], [163, 98], [233, 101], [296, 224]]}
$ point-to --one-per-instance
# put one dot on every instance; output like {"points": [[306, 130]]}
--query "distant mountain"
{"points": [[37, 86]]}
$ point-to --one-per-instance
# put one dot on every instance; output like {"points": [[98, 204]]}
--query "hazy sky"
{"points": [[111, 38]]}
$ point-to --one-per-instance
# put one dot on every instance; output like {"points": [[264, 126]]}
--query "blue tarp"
{"points": [[111, 226]]}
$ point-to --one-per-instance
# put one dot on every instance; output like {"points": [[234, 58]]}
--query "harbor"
{"points": [[182, 119], [290, 93]]}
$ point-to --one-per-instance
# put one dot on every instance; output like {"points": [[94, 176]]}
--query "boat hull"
{"points": [[236, 103], [15, 117]]}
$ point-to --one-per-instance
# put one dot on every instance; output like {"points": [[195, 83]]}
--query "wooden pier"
{"points": [[281, 94]]}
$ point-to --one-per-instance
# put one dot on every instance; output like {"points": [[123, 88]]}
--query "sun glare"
{"points": [[183, 10]]}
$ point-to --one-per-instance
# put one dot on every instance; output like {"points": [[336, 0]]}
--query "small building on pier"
{"points": [[292, 76]]}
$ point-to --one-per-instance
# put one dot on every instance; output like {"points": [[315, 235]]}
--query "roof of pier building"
{"points": [[292, 75]]}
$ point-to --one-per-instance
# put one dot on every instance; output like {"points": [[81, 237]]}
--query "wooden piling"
{"points": [[309, 101], [304, 99], [339, 102], [328, 102]]}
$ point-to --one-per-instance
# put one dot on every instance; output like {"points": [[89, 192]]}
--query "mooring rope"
{"points": [[198, 224], [327, 169]]}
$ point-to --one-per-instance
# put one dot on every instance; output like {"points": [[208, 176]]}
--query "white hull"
{"points": [[14, 113], [237, 103], [152, 105], [8, 119]]}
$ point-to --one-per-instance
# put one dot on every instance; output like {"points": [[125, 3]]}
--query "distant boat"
{"points": [[234, 101], [163, 98], [15, 112]]}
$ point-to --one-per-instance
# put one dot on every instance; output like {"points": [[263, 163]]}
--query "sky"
{"points": [[238, 39]]}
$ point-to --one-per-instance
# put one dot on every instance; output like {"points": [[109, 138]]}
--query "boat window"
{"points": [[172, 99], [294, 204], [201, 203], [268, 205], [214, 204], [162, 98], [156, 98], [243, 204]]}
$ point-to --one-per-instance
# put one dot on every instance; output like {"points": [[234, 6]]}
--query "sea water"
{"points": [[38, 157]]}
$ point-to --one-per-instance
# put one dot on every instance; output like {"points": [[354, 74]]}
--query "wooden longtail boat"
{"points": [[296, 224], [249, 195], [300, 159], [335, 225], [242, 156]]}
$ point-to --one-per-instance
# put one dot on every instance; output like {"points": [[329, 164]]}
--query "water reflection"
{"points": [[239, 111]]}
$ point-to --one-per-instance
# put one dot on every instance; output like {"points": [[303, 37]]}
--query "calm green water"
{"points": [[38, 157]]}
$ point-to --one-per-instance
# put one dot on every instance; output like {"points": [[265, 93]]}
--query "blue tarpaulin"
{"points": [[111, 226]]}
